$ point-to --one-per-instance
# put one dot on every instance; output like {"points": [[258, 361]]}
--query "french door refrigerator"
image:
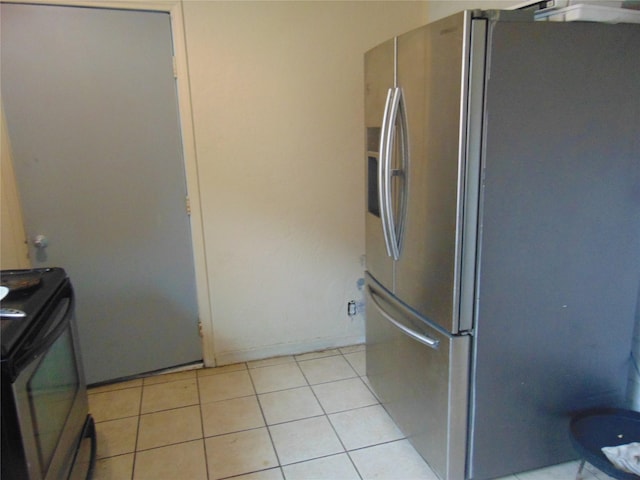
{"points": [[502, 233]]}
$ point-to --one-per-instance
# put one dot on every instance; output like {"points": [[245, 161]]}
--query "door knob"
{"points": [[40, 241]]}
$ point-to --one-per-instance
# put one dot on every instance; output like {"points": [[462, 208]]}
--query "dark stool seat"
{"points": [[608, 427]]}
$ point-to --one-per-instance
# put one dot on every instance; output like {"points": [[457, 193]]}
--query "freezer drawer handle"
{"points": [[428, 341]]}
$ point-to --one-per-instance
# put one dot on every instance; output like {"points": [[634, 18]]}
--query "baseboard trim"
{"points": [[269, 351]]}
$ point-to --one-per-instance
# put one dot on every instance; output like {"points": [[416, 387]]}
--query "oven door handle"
{"points": [[55, 326]]}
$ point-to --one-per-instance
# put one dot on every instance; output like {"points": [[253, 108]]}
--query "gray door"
{"points": [[91, 110]]}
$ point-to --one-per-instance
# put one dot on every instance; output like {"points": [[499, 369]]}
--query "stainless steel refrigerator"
{"points": [[502, 233]]}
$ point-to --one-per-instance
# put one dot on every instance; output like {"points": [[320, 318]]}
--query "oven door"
{"points": [[50, 394]]}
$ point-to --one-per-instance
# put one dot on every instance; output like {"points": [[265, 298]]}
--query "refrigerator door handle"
{"points": [[397, 116], [382, 173], [403, 172], [424, 339]]}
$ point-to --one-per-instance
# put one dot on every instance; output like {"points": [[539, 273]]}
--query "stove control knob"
{"points": [[40, 241]]}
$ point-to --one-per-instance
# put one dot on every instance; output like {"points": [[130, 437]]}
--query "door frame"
{"points": [[183, 91]]}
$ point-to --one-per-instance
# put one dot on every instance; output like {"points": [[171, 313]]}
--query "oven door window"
{"points": [[51, 391]]}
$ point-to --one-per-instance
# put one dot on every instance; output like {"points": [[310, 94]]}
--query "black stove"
{"points": [[30, 292], [47, 431]]}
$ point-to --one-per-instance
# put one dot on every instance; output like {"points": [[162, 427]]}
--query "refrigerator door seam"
{"points": [[462, 164], [473, 150], [471, 225]]}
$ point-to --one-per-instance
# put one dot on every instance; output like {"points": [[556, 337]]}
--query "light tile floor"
{"points": [[300, 417]]}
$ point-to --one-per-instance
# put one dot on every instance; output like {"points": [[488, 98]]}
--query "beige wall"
{"points": [[277, 90], [13, 251]]}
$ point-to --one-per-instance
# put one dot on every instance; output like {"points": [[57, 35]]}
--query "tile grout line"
{"points": [[334, 428], [204, 443], [326, 415], [264, 419], [135, 449]]}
